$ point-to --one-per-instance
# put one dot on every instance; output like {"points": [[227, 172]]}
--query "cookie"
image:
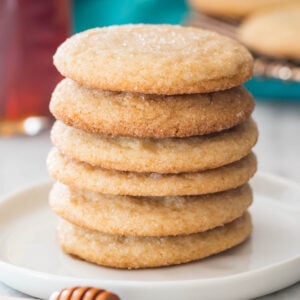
{"points": [[83, 176], [149, 216], [156, 155], [132, 252], [154, 59], [234, 8], [274, 32], [141, 115]]}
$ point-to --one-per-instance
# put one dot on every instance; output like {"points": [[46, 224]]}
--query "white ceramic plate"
{"points": [[31, 261]]}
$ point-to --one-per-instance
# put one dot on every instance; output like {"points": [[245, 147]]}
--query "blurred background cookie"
{"points": [[234, 8], [276, 66], [273, 32]]}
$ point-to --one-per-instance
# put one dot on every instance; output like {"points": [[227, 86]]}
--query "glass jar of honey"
{"points": [[30, 32]]}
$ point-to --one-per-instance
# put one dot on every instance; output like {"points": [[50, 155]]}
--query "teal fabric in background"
{"points": [[97, 13], [274, 89]]}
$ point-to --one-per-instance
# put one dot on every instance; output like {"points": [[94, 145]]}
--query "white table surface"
{"points": [[22, 161]]}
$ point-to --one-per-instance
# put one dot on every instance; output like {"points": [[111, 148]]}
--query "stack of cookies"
{"points": [[153, 144]]}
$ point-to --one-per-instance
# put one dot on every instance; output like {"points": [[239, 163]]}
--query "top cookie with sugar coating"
{"points": [[154, 59]]}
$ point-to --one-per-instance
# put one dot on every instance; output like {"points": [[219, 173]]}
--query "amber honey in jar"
{"points": [[30, 32]]}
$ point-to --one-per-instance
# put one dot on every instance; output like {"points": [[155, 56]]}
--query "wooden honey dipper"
{"points": [[83, 293], [75, 293]]}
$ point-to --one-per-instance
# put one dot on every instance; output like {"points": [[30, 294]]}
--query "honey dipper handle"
{"points": [[83, 293]]}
